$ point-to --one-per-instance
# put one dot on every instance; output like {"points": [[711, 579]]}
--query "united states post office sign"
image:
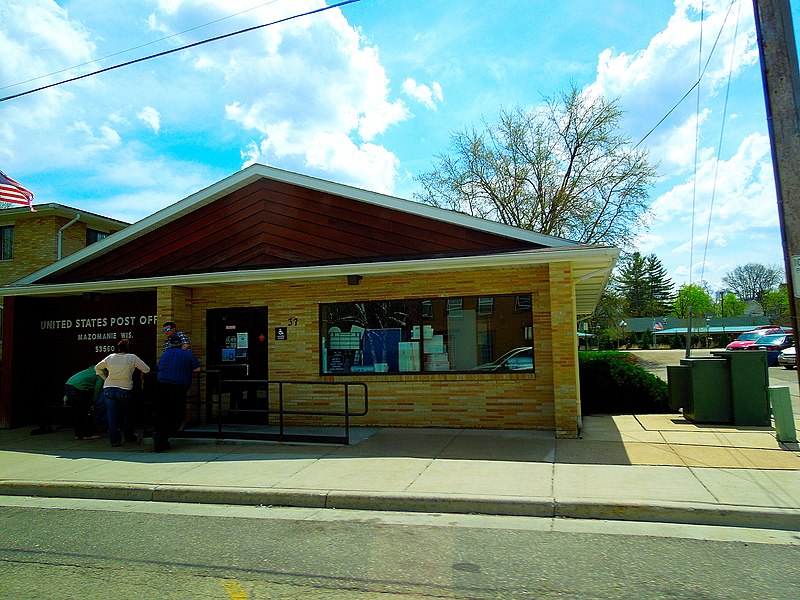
{"points": [[89, 327]]}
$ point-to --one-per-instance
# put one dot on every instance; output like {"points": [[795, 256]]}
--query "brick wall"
{"points": [[544, 400], [36, 245]]}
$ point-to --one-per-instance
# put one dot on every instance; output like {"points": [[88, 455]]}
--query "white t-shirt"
{"points": [[120, 369]]}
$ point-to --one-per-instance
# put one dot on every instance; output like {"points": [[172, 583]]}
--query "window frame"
{"points": [[6, 238], [96, 234], [452, 307]]}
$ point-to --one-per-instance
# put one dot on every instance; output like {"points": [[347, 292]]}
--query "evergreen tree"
{"points": [[661, 294], [643, 283]]}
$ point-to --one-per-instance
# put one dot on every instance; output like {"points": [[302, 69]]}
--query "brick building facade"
{"points": [[317, 262]]}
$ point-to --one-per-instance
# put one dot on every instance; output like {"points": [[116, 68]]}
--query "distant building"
{"points": [[30, 241]]}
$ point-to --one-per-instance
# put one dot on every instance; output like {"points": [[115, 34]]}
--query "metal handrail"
{"points": [[281, 410]]}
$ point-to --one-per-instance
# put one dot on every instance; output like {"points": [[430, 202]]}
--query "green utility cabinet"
{"points": [[708, 398], [678, 386], [749, 386]]}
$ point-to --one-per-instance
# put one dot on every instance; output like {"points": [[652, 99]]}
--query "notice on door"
{"points": [[241, 341]]}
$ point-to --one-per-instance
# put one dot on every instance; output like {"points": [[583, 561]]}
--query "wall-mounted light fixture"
{"points": [[354, 279]]}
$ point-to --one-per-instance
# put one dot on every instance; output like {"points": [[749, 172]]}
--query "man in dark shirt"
{"points": [[174, 379], [171, 334]]}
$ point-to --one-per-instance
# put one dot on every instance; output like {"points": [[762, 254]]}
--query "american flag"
{"points": [[14, 192]]}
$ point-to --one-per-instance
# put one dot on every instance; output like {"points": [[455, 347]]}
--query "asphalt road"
{"points": [[95, 549]]}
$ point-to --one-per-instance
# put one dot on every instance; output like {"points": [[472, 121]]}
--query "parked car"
{"points": [[749, 337], [518, 359], [774, 344], [788, 358]]}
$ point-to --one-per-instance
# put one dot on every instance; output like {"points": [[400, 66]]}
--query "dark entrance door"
{"points": [[237, 348]]}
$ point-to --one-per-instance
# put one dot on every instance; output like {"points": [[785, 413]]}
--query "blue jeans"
{"points": [[119, 417]]}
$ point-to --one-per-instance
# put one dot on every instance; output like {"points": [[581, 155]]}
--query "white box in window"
{"points": [[408, 356], [435, 345]]}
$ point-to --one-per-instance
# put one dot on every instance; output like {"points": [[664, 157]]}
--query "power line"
{"points": [[186, 47], [112, 55], [719, 145], [694, 85]]}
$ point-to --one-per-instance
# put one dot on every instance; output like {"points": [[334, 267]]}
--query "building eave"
{"points": [[591, 267]]}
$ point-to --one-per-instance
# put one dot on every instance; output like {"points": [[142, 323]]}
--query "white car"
{"points": [[518, 359], [788, 358]]}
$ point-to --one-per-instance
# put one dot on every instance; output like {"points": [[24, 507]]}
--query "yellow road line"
{"points": [[234, 590]]}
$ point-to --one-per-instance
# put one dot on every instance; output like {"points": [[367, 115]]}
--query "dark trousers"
{"points": [[81, 402], [170, 412]]}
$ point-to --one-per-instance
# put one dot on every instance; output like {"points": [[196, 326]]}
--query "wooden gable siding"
{"points": [[273, 224]]}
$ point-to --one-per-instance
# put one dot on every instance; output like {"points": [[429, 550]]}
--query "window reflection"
{"points": [[478, 334]]}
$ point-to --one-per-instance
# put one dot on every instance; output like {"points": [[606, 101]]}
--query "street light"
{"points": [[622, 325]]}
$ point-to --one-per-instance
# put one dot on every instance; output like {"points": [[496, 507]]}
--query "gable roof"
{"points": [[263, 223], [265, 217]]}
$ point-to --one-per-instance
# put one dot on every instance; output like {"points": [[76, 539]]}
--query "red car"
{"points": [[748, 338]]}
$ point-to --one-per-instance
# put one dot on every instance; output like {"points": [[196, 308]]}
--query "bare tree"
{"points": [[562, 169], [750, 281]]}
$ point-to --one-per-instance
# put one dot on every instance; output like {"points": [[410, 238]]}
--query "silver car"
{"points": [[788, 358]]}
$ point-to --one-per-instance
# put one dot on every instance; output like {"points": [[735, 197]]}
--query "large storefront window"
{"points": [[468, 334]]}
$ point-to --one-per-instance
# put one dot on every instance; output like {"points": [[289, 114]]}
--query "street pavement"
{"points": [[646, 468], [659, 468]]}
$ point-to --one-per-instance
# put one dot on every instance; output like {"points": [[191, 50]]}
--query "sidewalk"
{"points": [[647, 468]]}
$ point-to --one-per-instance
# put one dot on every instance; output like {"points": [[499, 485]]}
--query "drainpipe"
{"points": [[60, 234]]}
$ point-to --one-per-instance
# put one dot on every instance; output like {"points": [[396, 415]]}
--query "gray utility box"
{"points": [[749, 386]]}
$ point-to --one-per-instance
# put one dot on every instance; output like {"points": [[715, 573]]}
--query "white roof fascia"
{"points": [[258, 171], [593, 260]]}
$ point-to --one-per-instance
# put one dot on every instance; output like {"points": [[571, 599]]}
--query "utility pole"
{"points": [[779, 72]]}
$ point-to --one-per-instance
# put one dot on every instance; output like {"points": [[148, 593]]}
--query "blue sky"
{"points": [[369, 94]]}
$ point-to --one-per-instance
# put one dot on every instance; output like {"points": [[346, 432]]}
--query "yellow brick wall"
{"points": [[36, 245], [34, 248], [508, 400]]}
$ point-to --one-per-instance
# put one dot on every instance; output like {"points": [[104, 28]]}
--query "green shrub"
{"points": [[613, 383]]}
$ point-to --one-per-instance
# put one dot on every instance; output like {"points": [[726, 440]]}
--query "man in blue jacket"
{"points": [[175, 368]]}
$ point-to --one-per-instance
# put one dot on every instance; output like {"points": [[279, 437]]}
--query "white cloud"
{"points": [[651, 82], [317, 95], [368, 166], [428, 96], [104, 138], [309, 95], [151, 117]]}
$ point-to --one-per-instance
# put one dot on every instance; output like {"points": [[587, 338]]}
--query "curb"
{"points": [[786, 519]]}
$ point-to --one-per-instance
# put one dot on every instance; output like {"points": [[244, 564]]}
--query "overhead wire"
{"points": [[139, 47], [693, 86], [173, 50], [696, 143], [719, 144]]}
